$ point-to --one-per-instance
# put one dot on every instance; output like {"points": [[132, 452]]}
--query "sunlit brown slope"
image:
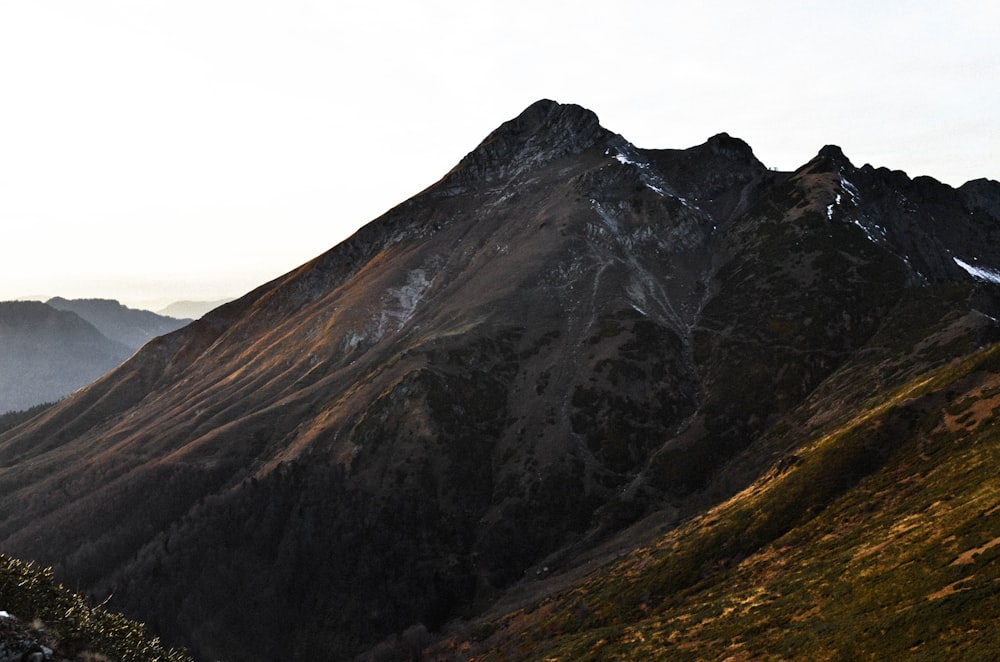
{"points": [[563, 335], [878, 538]]}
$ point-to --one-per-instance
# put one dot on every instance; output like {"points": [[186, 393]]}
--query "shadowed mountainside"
{"points": [[566, 348]]}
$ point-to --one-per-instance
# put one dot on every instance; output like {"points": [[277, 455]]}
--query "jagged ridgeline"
{"points": [[567, 351]]}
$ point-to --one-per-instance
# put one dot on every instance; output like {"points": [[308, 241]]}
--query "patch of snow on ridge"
{"points": [[873, 231], [659, 191], [626, 154], [981, 273], [868, 234], [829, 208], [851, 189]]}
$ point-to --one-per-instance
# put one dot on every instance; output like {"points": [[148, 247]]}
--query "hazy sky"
{"points": [[155, 150]]}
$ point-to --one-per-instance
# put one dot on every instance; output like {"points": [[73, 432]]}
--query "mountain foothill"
{"points": [[576, 400]]}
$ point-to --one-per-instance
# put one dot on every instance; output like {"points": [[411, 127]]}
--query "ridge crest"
{"points": [[543, 131]]}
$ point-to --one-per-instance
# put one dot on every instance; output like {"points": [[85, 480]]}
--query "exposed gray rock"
{"points": [[23, 643]]}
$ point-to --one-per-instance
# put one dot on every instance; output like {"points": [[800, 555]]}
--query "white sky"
{"points": [[156, 150]]}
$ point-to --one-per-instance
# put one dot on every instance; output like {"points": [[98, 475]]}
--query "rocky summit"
{"points": [[552, 407]]}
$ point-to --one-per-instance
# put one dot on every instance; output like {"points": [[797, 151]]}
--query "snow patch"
{"points": [[868, 233], [851, 189], [829, 208], [980, 273], [649, 178], [873, 231]]}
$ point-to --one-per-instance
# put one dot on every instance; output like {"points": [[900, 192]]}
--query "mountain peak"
{"points": [[833, 153], [982, 195], [547, 114], [829, 159], [545, 130], [725, 145]]}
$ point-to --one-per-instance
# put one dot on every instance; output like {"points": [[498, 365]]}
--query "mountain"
{"points": [[574, 392], [191, 309], [46, 354], [131, 327], [49, 350], [877, 540]]}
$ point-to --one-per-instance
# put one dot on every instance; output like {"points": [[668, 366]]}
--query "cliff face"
{"points": [[564, 335]]}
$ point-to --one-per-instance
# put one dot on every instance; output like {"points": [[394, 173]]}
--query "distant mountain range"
{"points": [[133, 328], [576, 400], [48, 350]]}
